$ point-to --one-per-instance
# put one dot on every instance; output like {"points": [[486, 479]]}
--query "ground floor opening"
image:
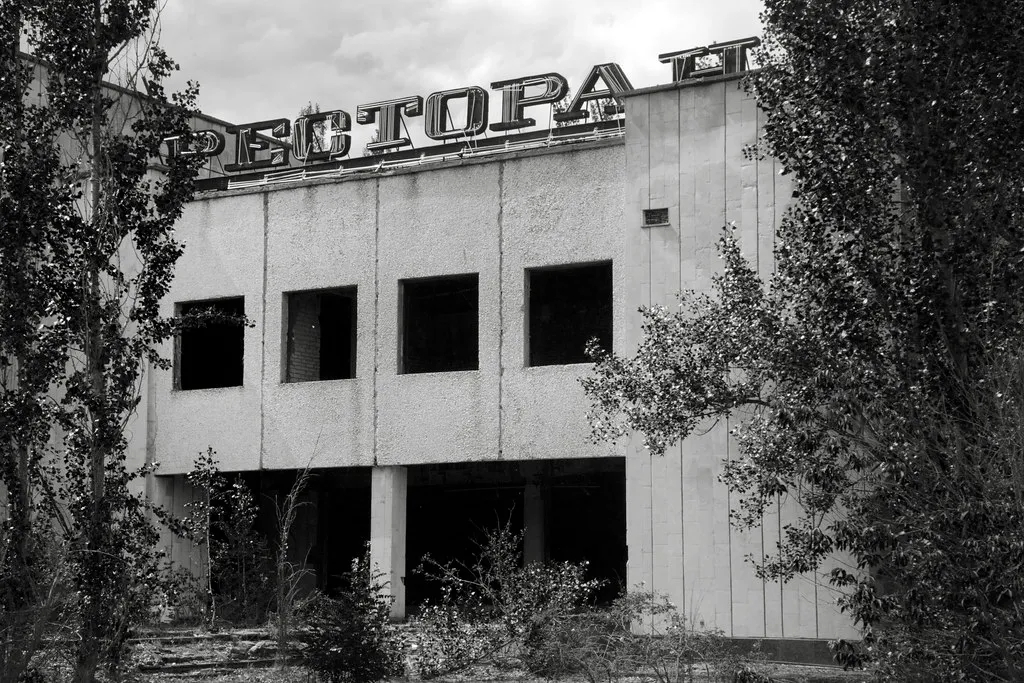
{"points": [[566, 509]]}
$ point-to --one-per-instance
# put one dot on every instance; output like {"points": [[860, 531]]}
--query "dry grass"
{"points": [[783, 673], [236, 646], [286, 675]]}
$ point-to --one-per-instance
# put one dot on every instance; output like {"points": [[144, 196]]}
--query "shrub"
{"points": [[538, 616], [606, 645], [450, 639], [182, 600], [495, 606], [349, 638], [239, 575]]}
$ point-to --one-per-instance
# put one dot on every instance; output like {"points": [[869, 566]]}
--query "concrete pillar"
{"points": [[534, 540], [388, 488]]}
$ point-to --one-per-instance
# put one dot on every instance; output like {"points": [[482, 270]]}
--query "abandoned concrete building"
{"points": [[418, 331]]}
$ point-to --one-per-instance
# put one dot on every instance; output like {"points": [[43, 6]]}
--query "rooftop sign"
{"points": [[268, 144]]}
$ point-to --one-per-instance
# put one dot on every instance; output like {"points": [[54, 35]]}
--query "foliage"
{"points": [[451, 638], [606, 645], [245, 579], [289, 575], [494, 604], [89, 251], [595, 111], [349, 637], [26, 628], [374, 137], [875, 376], [239, 577], [319, 141], [184, 600]]}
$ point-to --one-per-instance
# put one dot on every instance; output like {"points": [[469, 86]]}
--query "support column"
{"points": [[388, 490], [534, 549]]}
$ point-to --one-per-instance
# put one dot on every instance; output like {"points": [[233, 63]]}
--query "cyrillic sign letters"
{"points": [[324, 136]]}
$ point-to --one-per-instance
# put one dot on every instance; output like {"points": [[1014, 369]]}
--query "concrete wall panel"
{"points": [[556, 209], [320, 236], [702, 158], [224, 242], [436, 417], [436, 224]]}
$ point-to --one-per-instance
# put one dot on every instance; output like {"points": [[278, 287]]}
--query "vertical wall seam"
{"points": [[728, 446], [376, 308], [501, 307], [778, 499], [782, 595], [764, 585], [263, 316], [650, 289], [757, 239], [757, 188], [775, 215], [680, 194], [817, 605]]}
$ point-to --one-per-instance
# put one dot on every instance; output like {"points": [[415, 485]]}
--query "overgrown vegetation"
{"points": [[641, 634], [247, 577], [238, 574], [349, 637], [494, 607], [289, 575], [88, 253], [540, 618], [876, 376]]}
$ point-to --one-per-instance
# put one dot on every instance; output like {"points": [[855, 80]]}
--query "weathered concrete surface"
{"points": [[495, 218]]}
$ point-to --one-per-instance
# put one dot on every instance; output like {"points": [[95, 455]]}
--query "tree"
{"points": [[319, 141], [237, 574], [374, 137], [876, 376], [595, 108], [349, 636], [88, 252]]}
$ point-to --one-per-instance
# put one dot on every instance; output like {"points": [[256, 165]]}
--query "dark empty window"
{"points": [[321, 335], [439, 324], [568, 306], [210, 348]]}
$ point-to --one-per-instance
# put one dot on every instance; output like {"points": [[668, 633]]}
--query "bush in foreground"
{"points": [[349, 638], [539, 617], [640, 634], [494, 606]]}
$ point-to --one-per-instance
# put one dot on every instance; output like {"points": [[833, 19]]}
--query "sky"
{"points": [[264, 59]]}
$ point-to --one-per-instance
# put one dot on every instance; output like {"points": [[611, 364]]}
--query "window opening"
{"points": [[210, 353], [321, 335], [440, 324], [568, 306]]}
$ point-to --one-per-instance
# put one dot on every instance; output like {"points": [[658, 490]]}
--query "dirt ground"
{"points": [[245, 656], [785, 673]]}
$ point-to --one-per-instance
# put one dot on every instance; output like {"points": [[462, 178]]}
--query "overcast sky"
{"points": [[262, 59]]}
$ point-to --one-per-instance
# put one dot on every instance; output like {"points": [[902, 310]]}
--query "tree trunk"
{"points": [[94, 611]]}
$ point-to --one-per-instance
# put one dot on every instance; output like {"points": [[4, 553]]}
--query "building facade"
{"points": [[416, 338]]}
